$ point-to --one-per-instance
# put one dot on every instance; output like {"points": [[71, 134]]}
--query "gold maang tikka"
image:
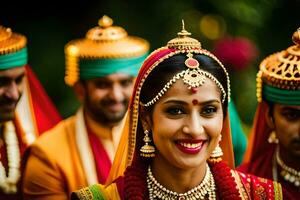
{"points": [[193, 76]]}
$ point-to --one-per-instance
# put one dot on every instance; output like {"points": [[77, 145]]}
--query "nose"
{"points": [[116, 93], [194, 125], [12, 91]]}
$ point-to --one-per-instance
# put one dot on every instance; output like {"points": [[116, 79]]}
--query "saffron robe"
{"points": [[55, 167]]}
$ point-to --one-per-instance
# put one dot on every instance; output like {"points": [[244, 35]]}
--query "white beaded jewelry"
{"points": [[206, 188], [192, 77]]}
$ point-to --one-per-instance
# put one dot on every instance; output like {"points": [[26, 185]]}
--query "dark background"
{"points": [[49, 25]]}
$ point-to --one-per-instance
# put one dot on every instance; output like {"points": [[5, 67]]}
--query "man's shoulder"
{"points": [[58, 135]]}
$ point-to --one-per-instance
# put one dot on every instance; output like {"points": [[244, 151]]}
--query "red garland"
{"points": [[136, 185], [226, 185], [135, 182]]}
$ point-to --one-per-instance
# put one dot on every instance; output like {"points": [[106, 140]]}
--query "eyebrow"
{"points": [[186, 103]]}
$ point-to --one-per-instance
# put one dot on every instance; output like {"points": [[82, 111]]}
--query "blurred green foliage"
{"points": [[268, 23]]}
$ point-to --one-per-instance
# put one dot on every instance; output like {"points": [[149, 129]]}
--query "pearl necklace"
{"points": [[289, 174], [9, 184], [205, 188]]}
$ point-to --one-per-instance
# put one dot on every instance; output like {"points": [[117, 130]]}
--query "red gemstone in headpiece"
{"points": [[191, 63], [194, 90]]}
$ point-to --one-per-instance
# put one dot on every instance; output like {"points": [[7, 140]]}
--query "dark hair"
{"points": [[171, 66]]}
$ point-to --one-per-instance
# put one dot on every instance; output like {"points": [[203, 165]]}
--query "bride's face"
{"points": [[186, 124]]}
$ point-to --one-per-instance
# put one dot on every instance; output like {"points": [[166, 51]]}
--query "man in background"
{"points": [[101, 69], [25, 110], [274, 147]]}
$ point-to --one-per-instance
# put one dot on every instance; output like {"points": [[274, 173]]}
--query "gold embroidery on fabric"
{"points": [[85, 194], [242, 190], [263, 180], [260, 192], [277, 191]]}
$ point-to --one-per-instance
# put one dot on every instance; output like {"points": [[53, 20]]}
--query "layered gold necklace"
{"points": [[8, 184], [289, 174], [205, 189]]}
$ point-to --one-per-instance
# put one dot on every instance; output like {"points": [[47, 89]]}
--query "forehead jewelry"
{"points": [[194, 90], [193, 76]]}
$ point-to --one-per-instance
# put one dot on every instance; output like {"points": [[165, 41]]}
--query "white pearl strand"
{"points": [[205, 188], [289, 174], [8, 184]]}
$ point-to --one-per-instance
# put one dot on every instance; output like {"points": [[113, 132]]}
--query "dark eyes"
{"points": [[19, 79], [292, 115], [106, 84], [209, 110], [205, 111], [6, 81], [126, 83], [102, 84], [175, 111]]}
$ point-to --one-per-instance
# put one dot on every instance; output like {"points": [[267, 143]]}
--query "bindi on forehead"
{"points": [[194, 90], [195, 102]]}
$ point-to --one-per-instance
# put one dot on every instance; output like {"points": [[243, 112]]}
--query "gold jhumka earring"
{"points": [[147, 151], [272, 138], [216, 154]]}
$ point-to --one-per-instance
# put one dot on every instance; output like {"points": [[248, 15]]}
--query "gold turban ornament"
{"points": [[102, 42], [281, 70]]}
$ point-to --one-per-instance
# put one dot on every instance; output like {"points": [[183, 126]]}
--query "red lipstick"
{"points": [[189, 146]]}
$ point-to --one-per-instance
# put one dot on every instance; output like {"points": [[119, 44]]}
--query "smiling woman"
{"points": [[172, 142]]}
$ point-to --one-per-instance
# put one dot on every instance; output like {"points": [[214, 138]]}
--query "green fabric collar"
{"points": [[12, 60]]}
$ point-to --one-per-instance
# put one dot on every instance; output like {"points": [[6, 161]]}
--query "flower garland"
{"points": [[9, 184], [225, 182], [136, 185]]}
